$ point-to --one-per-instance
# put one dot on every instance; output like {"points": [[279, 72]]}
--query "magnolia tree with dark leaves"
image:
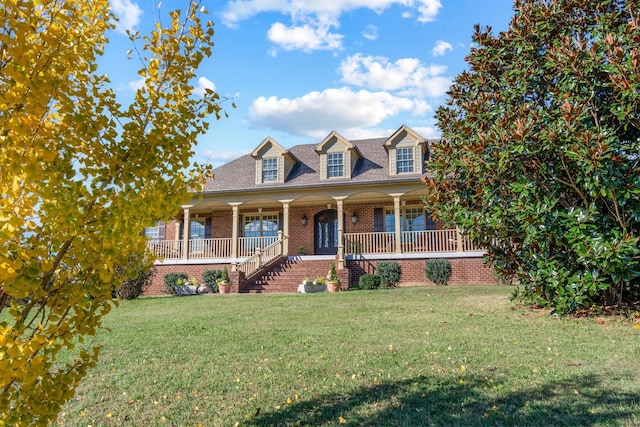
{"points": [[539, 160]]}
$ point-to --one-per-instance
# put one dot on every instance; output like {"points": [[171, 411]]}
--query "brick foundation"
{"points": [[464, 271]]}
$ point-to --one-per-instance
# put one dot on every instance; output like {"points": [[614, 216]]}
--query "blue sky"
{"points": [[299, 69]]}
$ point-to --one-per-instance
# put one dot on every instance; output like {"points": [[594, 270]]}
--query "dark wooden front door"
{"points": [[326, 232]]}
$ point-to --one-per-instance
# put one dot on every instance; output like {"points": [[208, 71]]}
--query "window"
{"points": [[404, 160], [156, 232], [260, 230], [335, 165], [411, 219], [269, 170], [197, 229]]}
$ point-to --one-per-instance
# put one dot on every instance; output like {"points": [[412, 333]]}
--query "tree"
{"points": [[540, 151], [80, 176]]}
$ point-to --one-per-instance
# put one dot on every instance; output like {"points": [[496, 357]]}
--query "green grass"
{"points": [[399, 357]]}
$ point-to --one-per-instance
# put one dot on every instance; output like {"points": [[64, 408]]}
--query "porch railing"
{"points": [[369, 243], [410, 242], [198, 248], [166, 249], [355, 243], [247, 245], [262, 256]]}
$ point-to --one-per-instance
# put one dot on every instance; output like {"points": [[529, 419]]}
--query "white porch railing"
{"points": [[355, 243], [369, 243], [247, 245], [262, 256], [411, 242], [210, 248], [166, 249], [198, 248]]}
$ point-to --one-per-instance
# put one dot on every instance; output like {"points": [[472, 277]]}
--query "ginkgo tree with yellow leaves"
{"points": [[80, 176]]}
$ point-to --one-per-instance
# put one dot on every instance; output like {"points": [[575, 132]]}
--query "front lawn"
{"points": [[400, 357]]}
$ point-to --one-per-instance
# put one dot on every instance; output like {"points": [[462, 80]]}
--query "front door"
{"points": [[326, 232]]}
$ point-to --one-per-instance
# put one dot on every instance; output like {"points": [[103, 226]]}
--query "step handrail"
{"points": [[262, 257]]}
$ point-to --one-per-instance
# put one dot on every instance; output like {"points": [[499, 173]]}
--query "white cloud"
{"points": [[306, 37], [428, 132], [429, 10], [217, 157], [128, 14], [408, 76], [441, 48], [370, 33], [136, 84], [317, 113], [203, 84], [311, 20]]}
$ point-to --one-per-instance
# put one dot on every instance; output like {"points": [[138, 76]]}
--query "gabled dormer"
{"points": [[407, 152], [273, 162], [338, 157]]}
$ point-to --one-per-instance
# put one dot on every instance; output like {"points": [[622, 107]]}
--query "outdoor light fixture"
{"points": [[303, 220], [354, 218]]}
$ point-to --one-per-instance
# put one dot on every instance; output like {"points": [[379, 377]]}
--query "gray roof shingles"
{"points": [[373, 166]]}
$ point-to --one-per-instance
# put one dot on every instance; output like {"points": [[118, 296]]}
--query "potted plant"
{"points": [[333, 283], [309, 286], [223, 282]]}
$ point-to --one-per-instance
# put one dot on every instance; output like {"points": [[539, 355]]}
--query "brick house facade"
{"points": [[353, 203]]}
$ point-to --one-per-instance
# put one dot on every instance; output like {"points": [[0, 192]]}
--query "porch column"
{"points": [[285, 226], [234, 234], [459, 246], [175, 246], [186, 231], [396, 217], [340, 265]]}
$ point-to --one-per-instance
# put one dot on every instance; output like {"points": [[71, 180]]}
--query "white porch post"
{"points": [[285, 226], [234, 235], [459, 246], [340, 265], [176, 238], [396, 217], [186, 233]]}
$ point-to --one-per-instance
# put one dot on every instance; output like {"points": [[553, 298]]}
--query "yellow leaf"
{"points": [[289, 401], [342, 420], [110, 415], [636, 326]]}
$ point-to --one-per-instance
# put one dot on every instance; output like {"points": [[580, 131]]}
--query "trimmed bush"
{"points": [[438, 270], [136, 277], [173, 280], [389, 272], [370, 281], [210, 279]]}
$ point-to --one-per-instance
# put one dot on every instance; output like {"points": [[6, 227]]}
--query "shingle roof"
{"points": [[373, 166]]}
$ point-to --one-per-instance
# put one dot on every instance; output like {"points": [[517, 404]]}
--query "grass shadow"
{"points": [[425, 401]]}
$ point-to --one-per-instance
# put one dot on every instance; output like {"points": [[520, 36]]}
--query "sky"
{"points": [[299, 69]]}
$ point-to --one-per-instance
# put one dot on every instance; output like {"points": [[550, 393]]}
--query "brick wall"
{"points": [[464, 271], [192, 270]]}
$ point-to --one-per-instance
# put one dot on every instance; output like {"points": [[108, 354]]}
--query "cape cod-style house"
{"points": [[276, 216]]}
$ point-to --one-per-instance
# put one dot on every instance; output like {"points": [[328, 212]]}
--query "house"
{"points": [[277, 215]]}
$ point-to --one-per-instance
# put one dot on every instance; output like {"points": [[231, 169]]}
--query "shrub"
{"points": [[438, 270], [389, 272], [136, 276], [210, 279], [173, 280], [370, 281]]}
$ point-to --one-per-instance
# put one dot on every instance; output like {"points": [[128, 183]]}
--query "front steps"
{"points": [[284, 276]]}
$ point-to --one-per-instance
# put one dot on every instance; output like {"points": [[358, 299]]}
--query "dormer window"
{"points": [[273, 162], [335, 165], [404, 160], [407, 151], [269, 170]]}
